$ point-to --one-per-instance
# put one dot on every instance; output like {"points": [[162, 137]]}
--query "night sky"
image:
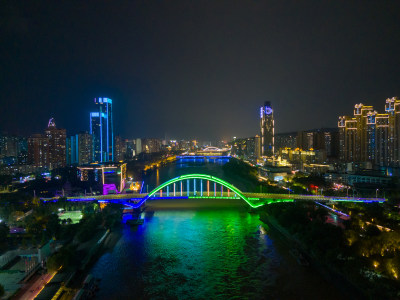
{"points": [[195, 69]]}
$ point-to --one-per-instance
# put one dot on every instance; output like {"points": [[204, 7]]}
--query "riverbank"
{"points": [[330, 275], [107, 245]]}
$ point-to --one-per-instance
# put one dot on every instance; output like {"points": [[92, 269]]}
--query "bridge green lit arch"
{"points": [[209, 178]]}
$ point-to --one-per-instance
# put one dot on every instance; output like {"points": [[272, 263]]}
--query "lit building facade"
{"points": [[119, 149], [267, 129], [110, 176], [80, 149], [13, 148], [49, 149], [248, 148], [285, 140], [323, 139], [369, 136], [38, 154], [151, 145], [138, 146], [101, 128], [56, 145], [130, 150]]}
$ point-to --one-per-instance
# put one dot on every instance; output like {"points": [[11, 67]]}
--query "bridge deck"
{"points": [[250, 196]]}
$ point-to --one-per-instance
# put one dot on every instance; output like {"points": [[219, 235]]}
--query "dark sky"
{"points": [[195, 69]]}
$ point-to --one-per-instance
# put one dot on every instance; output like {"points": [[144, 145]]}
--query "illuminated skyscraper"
{"points": [[392, 108], [38, 154], [119, 146], [138, 146], [370, 136], [48, 149], [101, 128], [57, 145], [267, 129], [79, 149]]}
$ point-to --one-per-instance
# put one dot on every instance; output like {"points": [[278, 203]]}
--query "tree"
{"points": [[2, 292], [24, 244], [53, 225], [372, 230], [36, 201], [60, 259], [4, 231]]}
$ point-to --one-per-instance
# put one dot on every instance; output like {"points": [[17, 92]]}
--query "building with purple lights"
{"points": [[110, 177], [267, 129]]}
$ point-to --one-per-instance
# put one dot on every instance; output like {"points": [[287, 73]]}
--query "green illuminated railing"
{"points": [[210, 178]]}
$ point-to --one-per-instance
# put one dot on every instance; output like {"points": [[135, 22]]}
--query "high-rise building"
{"points": [[370, 136], [257, 142], [72, 150], [14, 147], [79, 149], [101, 128], [151, 145], [285, 140], [248, 148], [85, 148], [38, 150], [322, 139], [120, 149], [130, 149], [138, 146], [56, 146], [392, 108], [267, 129]]}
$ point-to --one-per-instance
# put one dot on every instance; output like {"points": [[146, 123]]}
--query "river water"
{"points": [[220, 252]]}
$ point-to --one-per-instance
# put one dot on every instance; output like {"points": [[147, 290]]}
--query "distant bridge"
{"points": [[208, 153], [198, 186]]}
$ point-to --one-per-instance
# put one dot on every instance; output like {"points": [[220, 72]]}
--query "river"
{"points": [[203, 252]]}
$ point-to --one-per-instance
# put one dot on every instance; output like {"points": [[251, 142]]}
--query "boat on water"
{"points": [[301, 260]]}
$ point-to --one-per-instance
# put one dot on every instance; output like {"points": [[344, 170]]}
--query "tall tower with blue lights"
{"points": [[101, 129], [267, 129]]}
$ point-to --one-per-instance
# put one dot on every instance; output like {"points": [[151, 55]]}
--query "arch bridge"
{"points": [[197, 186], [210, 187]]}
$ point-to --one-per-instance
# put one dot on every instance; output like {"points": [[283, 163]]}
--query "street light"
{"points": [[376, 194]]}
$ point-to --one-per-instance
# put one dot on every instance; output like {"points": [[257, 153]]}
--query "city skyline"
{"points": [[156, 61], [199, 149]]}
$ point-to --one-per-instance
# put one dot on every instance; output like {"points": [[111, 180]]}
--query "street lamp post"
{"points": [[376, 193]]}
